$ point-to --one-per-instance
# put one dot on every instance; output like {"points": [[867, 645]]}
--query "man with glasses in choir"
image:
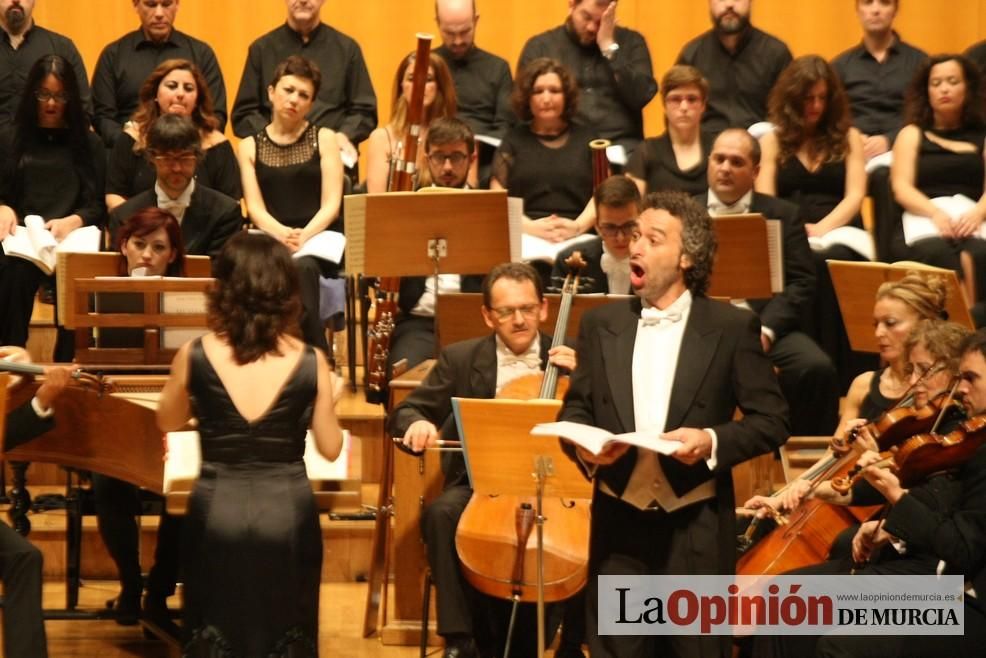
{"points": [[208, 218], [607, 270]]}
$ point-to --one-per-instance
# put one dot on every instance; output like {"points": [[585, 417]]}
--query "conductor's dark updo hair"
{"points": [[255, 298]]}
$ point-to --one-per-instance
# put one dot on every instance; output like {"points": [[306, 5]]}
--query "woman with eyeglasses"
{"points": [[51, 165], [678, 159], [292, 181], [901, 306], [176, 86]]}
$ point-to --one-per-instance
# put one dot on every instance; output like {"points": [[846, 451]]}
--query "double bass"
{"points": [[493, 539]]}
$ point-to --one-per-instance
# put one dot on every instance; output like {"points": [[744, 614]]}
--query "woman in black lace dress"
{"points": [[253, 547], [292, 181]]}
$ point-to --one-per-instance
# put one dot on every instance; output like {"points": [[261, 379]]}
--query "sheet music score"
{"points": [[775, 251], [184, 460]]}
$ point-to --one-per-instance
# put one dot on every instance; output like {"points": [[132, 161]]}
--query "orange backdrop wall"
{"points": [[385, 28]]}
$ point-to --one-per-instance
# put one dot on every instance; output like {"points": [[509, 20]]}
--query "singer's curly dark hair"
{"points": [[255, 298]]}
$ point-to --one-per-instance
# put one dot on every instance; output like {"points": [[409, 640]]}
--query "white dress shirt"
{"points": [[447, 283], [652, 378], [617, 272]]}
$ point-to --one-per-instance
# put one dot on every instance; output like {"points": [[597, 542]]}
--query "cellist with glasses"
{"points": [[513, 308]]}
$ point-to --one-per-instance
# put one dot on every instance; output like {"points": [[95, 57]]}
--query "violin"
{"points": [[493, 532], [923, 455], [900, 423]]}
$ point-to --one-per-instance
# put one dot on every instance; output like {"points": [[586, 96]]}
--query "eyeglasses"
{"points": [[438, 159], [171, 159], [44, 96], [924, 371], [504, 313], [613, 230], [678, 99]]}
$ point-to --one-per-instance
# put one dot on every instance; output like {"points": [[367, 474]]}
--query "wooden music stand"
{"points": [[502, 458], [416, 234], [413, 234], [79, 279], [742, 267], [856, 285]]}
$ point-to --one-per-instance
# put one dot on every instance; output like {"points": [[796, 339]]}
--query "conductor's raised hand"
{"points": [[420, 435], [696, 444]]}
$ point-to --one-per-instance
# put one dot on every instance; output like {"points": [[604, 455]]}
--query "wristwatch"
{"points": [[610, 50]]}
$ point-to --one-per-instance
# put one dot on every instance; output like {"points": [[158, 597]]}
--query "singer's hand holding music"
{"points": [[696, 444]]}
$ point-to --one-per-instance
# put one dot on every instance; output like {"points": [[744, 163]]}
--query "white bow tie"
{"points": [[529, 359], [654, 317]]}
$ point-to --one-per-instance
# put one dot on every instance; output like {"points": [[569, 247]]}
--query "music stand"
{"points": [[397, 234], [856, 284], [743, 265], [503, 458]]}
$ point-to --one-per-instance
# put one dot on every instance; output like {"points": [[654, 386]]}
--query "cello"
{"points": [[494, 536]]}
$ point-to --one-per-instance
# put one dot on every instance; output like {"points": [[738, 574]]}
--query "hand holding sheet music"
{"points": [[596, 440]]}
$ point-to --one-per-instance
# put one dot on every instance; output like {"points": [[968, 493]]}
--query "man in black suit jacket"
{"points": [[607, 257], [208, 218], [513, 307], [677, 364], [808, 378], [20, 561]]}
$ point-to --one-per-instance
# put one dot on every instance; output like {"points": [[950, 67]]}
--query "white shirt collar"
{"points": [[177, 206], [741, 207]]}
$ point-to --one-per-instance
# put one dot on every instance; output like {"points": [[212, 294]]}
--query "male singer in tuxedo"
{"points": [[20, 560], [677, 364]]}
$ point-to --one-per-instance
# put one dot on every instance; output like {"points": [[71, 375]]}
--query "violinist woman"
{"points": [[439, 101], [933, 527], [176, 86], [900, 306], [933, 350], [254, 548]]}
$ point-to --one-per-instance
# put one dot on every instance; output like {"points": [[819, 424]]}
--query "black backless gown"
{"points": [[253, 547]]}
